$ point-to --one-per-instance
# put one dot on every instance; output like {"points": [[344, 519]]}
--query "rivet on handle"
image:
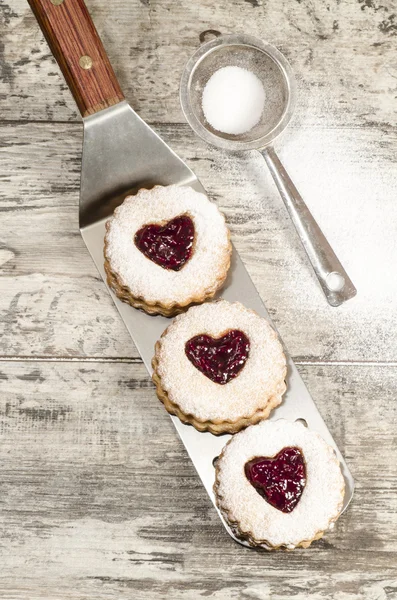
{"points": [[85, 62], [56, 2]]}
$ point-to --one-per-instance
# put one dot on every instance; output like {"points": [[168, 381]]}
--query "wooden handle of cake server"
{"points": [[77, 47]]}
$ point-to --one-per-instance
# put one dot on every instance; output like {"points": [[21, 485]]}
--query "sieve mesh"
{"points": [[267, 63]]}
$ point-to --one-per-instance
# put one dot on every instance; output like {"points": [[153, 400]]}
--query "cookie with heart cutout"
{"points": [[279, 485], [219, 367], [166, 248]]}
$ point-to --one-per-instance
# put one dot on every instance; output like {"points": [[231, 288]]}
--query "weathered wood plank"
{"points": [[342, 52], [53, 303], [99, 499]]}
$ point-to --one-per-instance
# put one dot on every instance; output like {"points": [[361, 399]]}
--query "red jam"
{"points": [[279, 480], [169, 245], [219, 359]]}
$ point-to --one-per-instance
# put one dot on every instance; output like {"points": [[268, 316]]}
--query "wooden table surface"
{"points": [[98, 498]]}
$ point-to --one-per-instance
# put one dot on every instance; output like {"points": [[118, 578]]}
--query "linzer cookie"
{"points": [[219, 367], [165, 249], [279, 485]]}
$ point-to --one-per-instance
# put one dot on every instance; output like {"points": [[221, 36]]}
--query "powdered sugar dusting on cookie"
{"points": [[321, 500], [260, 380], [144, 278]]}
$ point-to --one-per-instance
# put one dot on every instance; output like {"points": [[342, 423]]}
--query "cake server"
{"points": [[121, 154]]}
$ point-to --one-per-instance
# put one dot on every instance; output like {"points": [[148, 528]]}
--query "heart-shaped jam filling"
{"points": [[279, 480], [219, 359], [169, 245]]}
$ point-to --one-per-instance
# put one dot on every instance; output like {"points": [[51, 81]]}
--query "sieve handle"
{"points": [[335, 282]]}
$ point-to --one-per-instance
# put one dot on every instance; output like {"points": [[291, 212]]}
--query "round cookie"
{"points": [[279, 485], [219, 367], [165, 249]]}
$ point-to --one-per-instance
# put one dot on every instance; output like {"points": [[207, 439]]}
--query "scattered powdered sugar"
{"points": [[261, 378], [233, 100], [322, 497], [145, 278]]}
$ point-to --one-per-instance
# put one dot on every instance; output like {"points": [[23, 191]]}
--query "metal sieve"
{"points": [[276, 75]]}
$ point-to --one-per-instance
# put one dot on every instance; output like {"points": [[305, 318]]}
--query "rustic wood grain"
{"points": [[343, 53], [99, 498], [72, 37], [54, 304]]}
